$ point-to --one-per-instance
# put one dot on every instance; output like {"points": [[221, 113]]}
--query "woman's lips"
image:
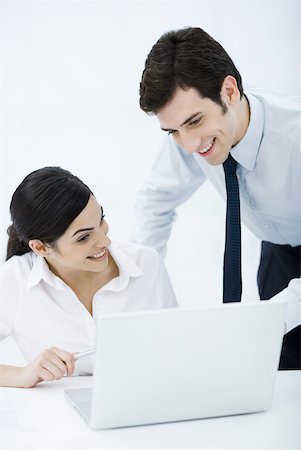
{"points": [[99, 256]]}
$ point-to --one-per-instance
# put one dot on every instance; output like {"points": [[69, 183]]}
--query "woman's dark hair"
{"points": [[43, 206], [185, 58]]}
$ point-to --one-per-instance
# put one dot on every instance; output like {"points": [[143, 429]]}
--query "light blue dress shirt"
{"points": [[269, 173]]}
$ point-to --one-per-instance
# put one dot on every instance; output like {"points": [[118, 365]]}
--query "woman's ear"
{"points": [[39, 248]]}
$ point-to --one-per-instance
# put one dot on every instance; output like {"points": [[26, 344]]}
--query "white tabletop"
{"points": [[41, 418]]}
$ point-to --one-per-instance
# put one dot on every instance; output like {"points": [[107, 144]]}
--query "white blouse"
{"points": [[38, 310]]}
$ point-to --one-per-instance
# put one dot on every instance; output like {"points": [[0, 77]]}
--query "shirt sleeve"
{"points": [[9, 298], [174, 177], [167, 292], [292, 296]]}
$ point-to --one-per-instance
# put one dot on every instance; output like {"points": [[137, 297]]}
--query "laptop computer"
{"points": [[182, 364]]}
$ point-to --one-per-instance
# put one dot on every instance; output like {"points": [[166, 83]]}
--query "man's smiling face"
{"points": [[202, 126]]}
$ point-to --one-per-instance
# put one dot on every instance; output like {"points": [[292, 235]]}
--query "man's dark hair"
{"points": [[185, 58], [43, 206]]}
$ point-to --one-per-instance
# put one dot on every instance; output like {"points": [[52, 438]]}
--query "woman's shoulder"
{"points": [[139, 254], [18, 267]]}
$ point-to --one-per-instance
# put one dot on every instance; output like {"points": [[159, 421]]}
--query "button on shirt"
{"points": [[39, 310], [269, 174]]}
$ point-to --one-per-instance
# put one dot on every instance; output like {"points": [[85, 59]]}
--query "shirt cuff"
{"points": [[292, 296]]}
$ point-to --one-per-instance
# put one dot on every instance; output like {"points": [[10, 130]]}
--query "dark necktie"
{"points": [[232, 256]]}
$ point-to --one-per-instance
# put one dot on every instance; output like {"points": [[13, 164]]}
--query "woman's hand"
{"points": [[51, 364]]}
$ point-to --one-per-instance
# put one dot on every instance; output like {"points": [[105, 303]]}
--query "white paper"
{"points": [[11, 419]]}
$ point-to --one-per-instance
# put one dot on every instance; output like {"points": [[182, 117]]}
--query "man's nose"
{"points": [[189, 143]]}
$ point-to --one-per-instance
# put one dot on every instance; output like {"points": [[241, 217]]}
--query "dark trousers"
{"points": [[278, 265]]}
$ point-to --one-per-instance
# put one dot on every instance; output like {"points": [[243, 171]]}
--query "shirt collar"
{"points": [[40, 271], [127, 269], [246, 151]]}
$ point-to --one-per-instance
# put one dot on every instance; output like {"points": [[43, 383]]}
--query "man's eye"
{"points": [[195, 122], [84, 238]]}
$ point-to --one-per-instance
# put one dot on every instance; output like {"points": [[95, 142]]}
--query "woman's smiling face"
{"points": [[84, 245]]}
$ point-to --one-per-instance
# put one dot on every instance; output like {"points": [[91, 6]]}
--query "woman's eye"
{"points": [[172, 131], [83, 238]]}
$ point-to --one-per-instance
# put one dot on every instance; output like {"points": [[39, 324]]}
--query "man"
{"points": [[193, 87]]}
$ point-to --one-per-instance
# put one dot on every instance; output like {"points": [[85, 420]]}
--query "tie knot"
{"points": [[230, 165]]}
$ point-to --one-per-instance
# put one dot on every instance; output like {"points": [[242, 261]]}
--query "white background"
{"points": [[70, 73]]}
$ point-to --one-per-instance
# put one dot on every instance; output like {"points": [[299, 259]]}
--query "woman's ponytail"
{"points": [[14, 245]]}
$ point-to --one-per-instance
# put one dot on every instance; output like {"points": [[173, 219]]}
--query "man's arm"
{"points": [[174, 177]]}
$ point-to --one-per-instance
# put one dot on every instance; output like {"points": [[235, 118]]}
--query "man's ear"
{"points": [[39, 248], [230, 93]]}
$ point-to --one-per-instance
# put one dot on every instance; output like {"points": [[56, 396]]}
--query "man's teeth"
{"points": [[98, 255], [208, 147]]}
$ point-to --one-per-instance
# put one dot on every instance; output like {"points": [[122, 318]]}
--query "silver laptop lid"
{"points": [[181, 364]]}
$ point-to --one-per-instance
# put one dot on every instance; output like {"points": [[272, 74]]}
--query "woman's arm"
{"points": [[50, 365]]}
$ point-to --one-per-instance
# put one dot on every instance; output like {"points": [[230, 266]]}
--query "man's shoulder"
{"points": [[278, 101], [282, 114], [274, 96]]}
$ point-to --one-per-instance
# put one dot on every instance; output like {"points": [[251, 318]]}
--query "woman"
{"points": [[61, 271]]}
